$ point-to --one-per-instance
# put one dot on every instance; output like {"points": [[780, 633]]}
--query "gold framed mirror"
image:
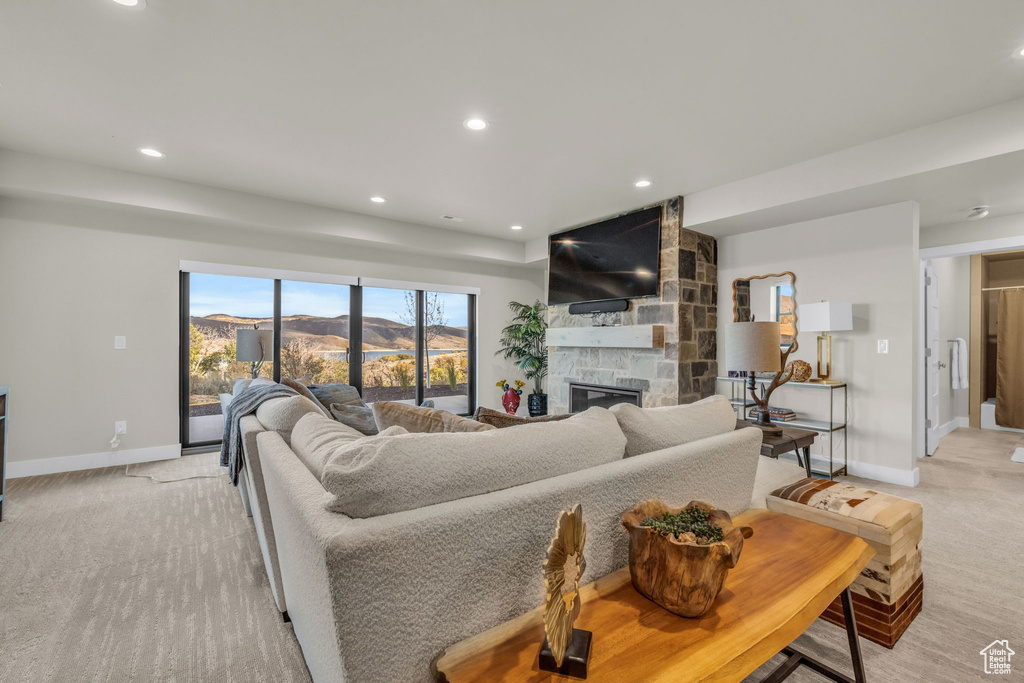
{"points": [[770, 297]]}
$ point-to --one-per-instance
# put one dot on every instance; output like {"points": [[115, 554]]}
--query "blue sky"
{"points": [[254, 298]]}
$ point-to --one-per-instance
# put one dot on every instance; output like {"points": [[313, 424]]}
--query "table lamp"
{"points": [[253, 346], [755, 347], [825, 317]]}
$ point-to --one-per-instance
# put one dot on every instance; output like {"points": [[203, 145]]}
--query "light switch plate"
{"points": [[883, 346], [120, 342]]}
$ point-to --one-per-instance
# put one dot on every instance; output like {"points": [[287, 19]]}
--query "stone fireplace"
{"points": [[684, 367]]}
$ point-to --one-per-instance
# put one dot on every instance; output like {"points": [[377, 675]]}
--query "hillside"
{"points": [[331, 334]]}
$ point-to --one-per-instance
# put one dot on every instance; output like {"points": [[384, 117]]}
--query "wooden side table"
{"points": [[791, 439], [788, 574]]}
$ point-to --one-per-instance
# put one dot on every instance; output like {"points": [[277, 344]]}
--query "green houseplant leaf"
{"points": [[523, 340]]}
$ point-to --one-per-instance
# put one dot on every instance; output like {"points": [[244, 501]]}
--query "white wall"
{"points": [[870, 259], [954, 321], [69, 290]]}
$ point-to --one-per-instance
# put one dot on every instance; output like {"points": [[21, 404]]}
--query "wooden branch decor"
{"points": [[565, 649], [681, 573]]}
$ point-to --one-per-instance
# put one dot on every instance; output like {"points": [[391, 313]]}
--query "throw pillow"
{"points": [[422, 420], [342, 394], [500, 419], [653, 429], [358, 417], [316, 438], [282, 414], [375, 476], [303, 390]]}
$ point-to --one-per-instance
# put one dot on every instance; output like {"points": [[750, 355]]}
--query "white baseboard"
{"points": [[953, 424], [889, 475], [89, 461]]}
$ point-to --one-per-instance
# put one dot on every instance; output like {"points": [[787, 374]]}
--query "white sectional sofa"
{"points": [[377, 598]]}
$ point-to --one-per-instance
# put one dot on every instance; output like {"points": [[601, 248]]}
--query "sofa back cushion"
{"points": [[501, 420], [652, 429], [283, 413], [316, 438], [419, 419], [303, 390], [378, 476]]}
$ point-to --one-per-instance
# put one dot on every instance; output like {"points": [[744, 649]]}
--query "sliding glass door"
{"points": [[217, 306], [315, 332], [391, 344]]}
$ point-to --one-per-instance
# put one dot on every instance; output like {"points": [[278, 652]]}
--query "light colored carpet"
{"points": [[105, 577], [110, 578]]}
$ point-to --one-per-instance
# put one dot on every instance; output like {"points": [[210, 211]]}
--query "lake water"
{"points": [[374, 355]]}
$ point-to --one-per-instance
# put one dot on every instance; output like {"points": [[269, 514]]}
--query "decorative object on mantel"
{"points": [[522, 340], [510, 399], [565, 650], [253, 346], [754, 346], [825, 317], [682, 572], [798, 370]]}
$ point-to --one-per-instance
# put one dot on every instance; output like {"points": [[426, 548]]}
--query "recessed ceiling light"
{"points": [[1019, 53], [377, 199], [517, 227], [137, 4], [475, 124], [642, 183], [150, 152], [977, 213]]}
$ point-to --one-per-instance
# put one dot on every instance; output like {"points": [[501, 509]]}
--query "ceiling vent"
{"points": [[454, 219]]}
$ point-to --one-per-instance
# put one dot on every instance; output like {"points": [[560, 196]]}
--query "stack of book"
{"points": [[779, 414]]}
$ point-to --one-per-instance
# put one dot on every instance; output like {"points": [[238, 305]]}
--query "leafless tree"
{"points": [[434, 320]]}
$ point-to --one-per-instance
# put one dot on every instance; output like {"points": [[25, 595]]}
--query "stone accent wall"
{"points": [[682, 372]]}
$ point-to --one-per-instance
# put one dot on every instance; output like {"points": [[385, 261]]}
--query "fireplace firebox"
{"points": [[583, 396]]}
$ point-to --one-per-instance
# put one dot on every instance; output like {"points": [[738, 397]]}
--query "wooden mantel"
{"points": [[612, 337]]}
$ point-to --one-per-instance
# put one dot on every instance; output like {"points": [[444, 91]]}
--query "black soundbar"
{"points": [[588, 307]]}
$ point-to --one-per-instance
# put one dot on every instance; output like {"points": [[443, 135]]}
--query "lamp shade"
{"points": [[753, 346], [827, 316], [253, 346]]}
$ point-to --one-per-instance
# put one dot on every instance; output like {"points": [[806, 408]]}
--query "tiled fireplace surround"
{"points": [[683, 371]]}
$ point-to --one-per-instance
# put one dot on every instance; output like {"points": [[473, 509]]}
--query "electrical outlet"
{"points": [[120, 342], [883, 346], [121, 427]]}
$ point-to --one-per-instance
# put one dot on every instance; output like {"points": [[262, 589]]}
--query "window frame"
{"points": [[355, 337]]}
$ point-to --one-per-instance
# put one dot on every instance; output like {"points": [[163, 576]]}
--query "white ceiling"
{"points": [[331, 102]]}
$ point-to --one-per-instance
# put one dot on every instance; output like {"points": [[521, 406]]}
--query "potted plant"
{"points": [[522, 340]]}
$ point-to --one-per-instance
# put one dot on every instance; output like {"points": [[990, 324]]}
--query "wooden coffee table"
{"points": [[791, 439], [788, 573]]}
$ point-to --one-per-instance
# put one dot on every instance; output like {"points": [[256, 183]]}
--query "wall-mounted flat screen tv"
{"points": [[614, 259]]}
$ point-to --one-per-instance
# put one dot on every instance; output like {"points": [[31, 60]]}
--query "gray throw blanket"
{"points": [[245, 403]]}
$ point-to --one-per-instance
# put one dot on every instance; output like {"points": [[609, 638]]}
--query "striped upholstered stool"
{"points": [[888, 593]]}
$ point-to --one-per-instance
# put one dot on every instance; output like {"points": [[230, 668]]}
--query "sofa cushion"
{"points": [[501, 420], [316, 438], [283, 413], [418, 419], [358, 417], [303, 390], [377, 476], [652, 429], [342, 394]]}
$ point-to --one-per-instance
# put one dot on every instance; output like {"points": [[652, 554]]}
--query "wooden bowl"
{"points": [[681, 576]]}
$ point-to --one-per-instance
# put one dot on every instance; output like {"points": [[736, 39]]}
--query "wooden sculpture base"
{"points": [[576, 657]]}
